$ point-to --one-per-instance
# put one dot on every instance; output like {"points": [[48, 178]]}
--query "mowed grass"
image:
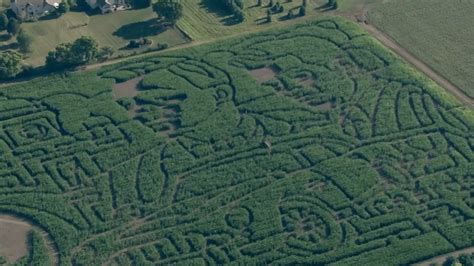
{"points": [[114, 29], [203, 20], [438, 32]]}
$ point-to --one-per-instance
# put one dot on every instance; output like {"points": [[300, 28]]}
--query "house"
{"points": [[28, 10], [106, 6]]}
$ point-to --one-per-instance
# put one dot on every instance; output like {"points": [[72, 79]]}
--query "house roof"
{"points": [[54, 3]]}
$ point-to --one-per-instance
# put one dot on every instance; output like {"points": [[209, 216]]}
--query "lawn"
{"points": [[304, 145], [438, 32], [113, 29], [203, 20]]}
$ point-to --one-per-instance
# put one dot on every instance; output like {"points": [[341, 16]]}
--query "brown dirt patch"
{"points": [[306, 81], [264, 74], [325, 106], [13, 238], [128, 88]]}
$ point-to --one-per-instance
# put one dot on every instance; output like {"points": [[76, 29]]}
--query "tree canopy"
{"points": [[169, 10], [11, 64], [81, 51]]}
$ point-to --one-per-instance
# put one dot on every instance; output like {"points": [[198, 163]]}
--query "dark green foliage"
{"points": [[308, 145], [169, 10], [11, 64], [13, 26], [3, 21], [81, 51], [24, 41]]}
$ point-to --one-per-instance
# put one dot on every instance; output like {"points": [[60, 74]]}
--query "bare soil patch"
{"points": [[128, 88], [325, 106], [13, 238], [264, 74], [306, 81]]}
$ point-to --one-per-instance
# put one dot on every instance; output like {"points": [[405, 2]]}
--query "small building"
{"points": [[28, 10], [106, 6]]}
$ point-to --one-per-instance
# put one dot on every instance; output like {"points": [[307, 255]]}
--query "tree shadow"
{"points": [[325, 8], [10, 46], [5, 37], [226, 17], [140, 29], [211, 7]]}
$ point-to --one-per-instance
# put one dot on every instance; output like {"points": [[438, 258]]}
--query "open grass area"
{"points": [[438, 32], [114, 29], [304, 145], [203, 20]]}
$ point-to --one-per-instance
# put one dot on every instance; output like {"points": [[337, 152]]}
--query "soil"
{"points": [[264, 74], [305, 81], [440, 259], [13, 238], [128, 88], [324, 106]]}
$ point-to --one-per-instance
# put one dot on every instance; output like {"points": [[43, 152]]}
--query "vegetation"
{"points": [[423, 33], [307, 145], [24, 41], [115, 31], [11, 64], [168, 10], [81, 51]]}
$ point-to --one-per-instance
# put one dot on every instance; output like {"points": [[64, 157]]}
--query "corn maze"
{"points": [[340, 154]]}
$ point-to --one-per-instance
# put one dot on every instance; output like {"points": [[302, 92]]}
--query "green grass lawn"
{"points": [[114, 29], [438, 32], [204, 20]]}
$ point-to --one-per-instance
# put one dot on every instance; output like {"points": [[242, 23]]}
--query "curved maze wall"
{"points": [[345, 156]]}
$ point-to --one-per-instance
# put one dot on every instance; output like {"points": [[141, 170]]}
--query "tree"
{"points": [[3, 22], [81, 51], [24, 41], [13, 26], [59, 57], [302, 12], [11, 64], [63, 8], [105, 53], [305, 2], [290, 14], [259, 2], [141, 3], [170, 10], [449, 261], [269, 15]]}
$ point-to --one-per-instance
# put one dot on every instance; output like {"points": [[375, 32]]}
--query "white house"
{"points": [[33, 9], [106, 6]]}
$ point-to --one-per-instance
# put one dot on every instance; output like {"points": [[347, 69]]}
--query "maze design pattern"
{"points": [[344, 156]]}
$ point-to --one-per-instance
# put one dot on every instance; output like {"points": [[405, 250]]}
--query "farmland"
{"points": [[436, 32], [310, 144]]}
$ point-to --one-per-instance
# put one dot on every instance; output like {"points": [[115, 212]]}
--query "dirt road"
{"points": [[418, 64], [438, 260]]}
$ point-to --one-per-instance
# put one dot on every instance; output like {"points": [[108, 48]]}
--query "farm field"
{"points": [[436, 32], [310, 144], [114, 30]]}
